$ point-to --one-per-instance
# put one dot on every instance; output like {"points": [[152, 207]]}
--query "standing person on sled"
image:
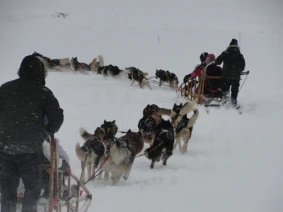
{"points": [[233, 65], [23, 104]]}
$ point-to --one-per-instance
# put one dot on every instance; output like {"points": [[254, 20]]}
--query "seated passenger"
{"points": [[212, 86]]}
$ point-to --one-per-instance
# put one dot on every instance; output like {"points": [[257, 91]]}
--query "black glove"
{"points": [[48, 137]]}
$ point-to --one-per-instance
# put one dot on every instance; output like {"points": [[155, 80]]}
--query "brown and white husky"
{"points": [[122, 155]]}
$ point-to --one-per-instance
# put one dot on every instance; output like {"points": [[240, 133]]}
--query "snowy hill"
{"points": [[234, 162]]}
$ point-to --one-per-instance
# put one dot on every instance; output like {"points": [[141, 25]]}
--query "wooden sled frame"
{"points": [[192, 92], [56, 203], [55, 175]]}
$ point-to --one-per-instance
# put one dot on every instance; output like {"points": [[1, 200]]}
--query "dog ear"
{"points": [[104, 121], [129, 131], [181, 105], [113, 121]]}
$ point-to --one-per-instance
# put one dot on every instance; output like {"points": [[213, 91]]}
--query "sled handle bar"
{"points": [[245, 73]]}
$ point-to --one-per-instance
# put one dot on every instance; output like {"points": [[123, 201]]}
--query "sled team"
{"points": [[30, 115]]}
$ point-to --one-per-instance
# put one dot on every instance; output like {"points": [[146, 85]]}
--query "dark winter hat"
{"points": [[234, 42], [203, 56], [32, 68]]}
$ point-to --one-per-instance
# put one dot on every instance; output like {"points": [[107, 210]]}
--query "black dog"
{"points": [[110, 69], [166, 76], [162, 145], [96, 146], [147, 126], [150, 109], [136, 75]]}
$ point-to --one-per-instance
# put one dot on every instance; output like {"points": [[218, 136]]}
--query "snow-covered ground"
{"points": [[234, 162]]}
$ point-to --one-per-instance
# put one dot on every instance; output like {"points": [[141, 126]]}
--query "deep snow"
{"points": [[234, 162]]}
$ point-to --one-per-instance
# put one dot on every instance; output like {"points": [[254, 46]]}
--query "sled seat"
{"points": [[201, 88]]}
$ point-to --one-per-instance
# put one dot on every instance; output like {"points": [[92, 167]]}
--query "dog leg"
{"points": [[106, 168], [178, 142], [148, 85], [160, 83], [132, 82], [152, 164], [116, 175], [128, 172], [96, 165], [106, 174], [175, 144], [164, 161], [164, 158], [83, 172], [88, 170], [140, 83], [186, 141], [93, 171]]}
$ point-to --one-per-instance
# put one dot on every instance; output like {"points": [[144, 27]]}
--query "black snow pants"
{"points": [[234, 84], [14, 167]]}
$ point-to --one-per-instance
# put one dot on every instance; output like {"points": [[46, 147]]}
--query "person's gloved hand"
{"points": [[67, 173]]}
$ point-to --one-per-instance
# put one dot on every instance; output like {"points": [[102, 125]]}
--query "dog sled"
{"points": [[78, 198], [205, 90]]}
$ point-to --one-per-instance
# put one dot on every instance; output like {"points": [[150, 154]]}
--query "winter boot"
{"points": [[234, 102]]}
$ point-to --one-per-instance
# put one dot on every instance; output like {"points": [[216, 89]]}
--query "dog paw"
{"points": [[125, 177], [164, 163]]}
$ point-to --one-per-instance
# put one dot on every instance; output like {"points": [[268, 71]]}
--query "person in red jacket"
{"points": [[198, 69]]}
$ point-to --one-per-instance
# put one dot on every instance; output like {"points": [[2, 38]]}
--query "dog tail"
{"points": [[101, 60], [79, 152], [64, 61], [187, 108], [92, 64], [84, 134], [193, 119], [167, 112]]}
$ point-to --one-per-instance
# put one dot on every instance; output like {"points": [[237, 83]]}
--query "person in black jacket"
{"points": [[24, 103], [212, 86], [233, 65]]}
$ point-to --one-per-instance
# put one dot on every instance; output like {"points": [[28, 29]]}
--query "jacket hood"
{"points": [[33, 68]]}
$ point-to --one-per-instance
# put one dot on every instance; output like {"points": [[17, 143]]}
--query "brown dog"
{"points": [[122, 155]]}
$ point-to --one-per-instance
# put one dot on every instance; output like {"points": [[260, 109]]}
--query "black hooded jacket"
{"points": [[23, 104], [233, 62]]}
